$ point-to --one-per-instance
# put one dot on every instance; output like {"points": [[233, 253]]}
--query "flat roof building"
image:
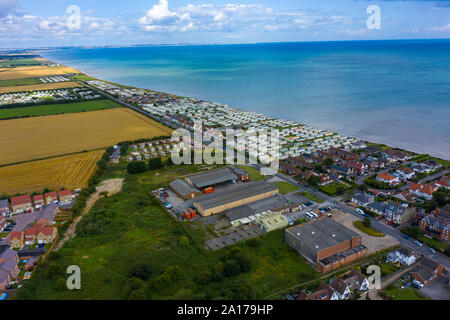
{"points": [[239, 195], [184, 189], [272, 221], [325, 243], [211, 177]]}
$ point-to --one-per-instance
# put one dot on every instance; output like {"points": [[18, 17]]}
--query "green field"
{"points": [[19, 82], [19, 62], [253, 173], [82, 77], [396, 292], [331, 189], [285, 187], [311, 197], [51, 109], [131, 228]]}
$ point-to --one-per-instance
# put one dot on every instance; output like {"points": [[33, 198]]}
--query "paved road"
{"points": [[386, 229]]}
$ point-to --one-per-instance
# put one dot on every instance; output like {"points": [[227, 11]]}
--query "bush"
{"points": [[203, 277], [134, 167], [132, 285], [253, 243], [53, 270], [60, 284], [141, 270], [183, 241], [155, 163], [231, 268]]}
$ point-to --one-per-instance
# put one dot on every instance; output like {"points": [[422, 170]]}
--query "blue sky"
{"points": [[31, 23]]}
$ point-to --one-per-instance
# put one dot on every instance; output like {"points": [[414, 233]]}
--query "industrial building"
{"points": [[325, 243], [211, 177], [184, 189], [239, 195], [272, 221]]}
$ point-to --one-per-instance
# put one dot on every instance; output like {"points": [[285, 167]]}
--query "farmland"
{"points": [[52, 109], [72, 171], [42, 137], [19, 62], [42, 86], [33, 71], [19, 82]]}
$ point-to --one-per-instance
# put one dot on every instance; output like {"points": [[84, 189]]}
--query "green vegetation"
{"points": [[19, 62], [19, 82], [253, 173], [396, 292], [332, 189], [311, 197], [135, 167], [368, 230], [285, 187], [129, 247], [82, 77], [314, 180], [373, 182], [436, 244], [52, 109]]}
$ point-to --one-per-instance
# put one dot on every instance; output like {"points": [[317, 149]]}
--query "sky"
{"points": [[51, 23]]}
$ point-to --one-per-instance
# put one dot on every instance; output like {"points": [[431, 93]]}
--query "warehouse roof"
{"points": [[239, 192], [319, 235], [239, 212], [211, 177], [182, 187]]}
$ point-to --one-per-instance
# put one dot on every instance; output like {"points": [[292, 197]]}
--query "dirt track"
{"points": [[112, 186]]}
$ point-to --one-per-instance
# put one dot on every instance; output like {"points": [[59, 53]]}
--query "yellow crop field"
{"points": [[43, 86], [34, 71], [42, 137], [70, 172]]}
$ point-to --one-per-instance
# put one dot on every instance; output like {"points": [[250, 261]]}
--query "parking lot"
{"points": [[437, 289], [234, 235]]}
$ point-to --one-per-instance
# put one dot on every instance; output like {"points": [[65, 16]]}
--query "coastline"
{"points": [[404, 144]]}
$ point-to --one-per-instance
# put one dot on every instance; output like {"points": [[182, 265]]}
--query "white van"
{"points": [[358, 210], [309, 215]]}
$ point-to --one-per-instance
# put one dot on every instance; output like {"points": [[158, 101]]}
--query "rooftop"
{"points": [[211, 177], [182, 187]]}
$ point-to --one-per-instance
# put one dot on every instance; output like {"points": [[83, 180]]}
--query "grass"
{"points": [[72, 171], [285, 187], [19, 82], [19, 62], [43, 137], [82, 77], [331, 189], [368, 230], [396, 292], [136, 228], [253, 173], [312, 197], [53, 109]]}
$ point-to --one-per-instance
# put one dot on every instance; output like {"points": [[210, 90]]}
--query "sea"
{"points": [[394, 92]]}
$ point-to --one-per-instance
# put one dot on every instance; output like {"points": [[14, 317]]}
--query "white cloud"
{"points": [[230, 17], [445, 28]]}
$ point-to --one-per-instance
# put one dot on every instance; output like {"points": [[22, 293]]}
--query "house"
{"points": [[39, 234], [356, 281], [405, 173], [445, 183], [4, 207], [3, 223], [38, 201], [21, 204], [399, 213], [341, 288], [377, 207], [397, 155], [423, 190], [437, 223], [324, 292], [325, 179], [8, 266], [362, 199], [387, 178], [403, 256], [51, 197], [433, 165], [358, 167], [16, 239], [427, 270], [288, 169], [406, 196], [421, 168], [66, 196]]}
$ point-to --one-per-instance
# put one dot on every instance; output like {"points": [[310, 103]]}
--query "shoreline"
{"points": [[376, 140]]}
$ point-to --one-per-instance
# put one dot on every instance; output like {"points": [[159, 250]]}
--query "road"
{"points": [[386, 229]]}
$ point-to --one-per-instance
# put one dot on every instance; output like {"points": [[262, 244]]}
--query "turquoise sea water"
{"points": [[393, 92]]}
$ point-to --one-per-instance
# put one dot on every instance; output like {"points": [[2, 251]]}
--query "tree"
{"points": [[101, 164], [314, 180], [328, 162], [141, 270], [155, 163], [367, 222], [362, 187], [134, 167], [169, 162], [183, 241], [442, 197], [340, 190], [231, 268]]}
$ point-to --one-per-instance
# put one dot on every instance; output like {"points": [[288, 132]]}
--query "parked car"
{"points": [[416, 284], [359, 211], [432, 250], [418, 243], [406, 236]]}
